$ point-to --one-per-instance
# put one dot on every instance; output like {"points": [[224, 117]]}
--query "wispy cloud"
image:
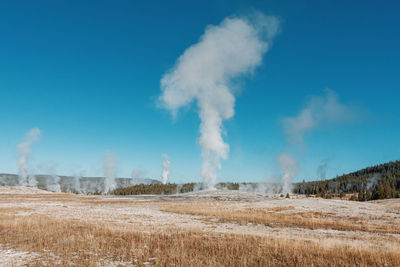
{"points": [[319, 111]]}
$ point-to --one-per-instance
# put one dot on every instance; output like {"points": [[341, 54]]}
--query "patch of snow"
{"points": [[11, 258]]}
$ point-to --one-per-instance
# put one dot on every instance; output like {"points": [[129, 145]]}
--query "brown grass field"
{"points": [[74, 230]]}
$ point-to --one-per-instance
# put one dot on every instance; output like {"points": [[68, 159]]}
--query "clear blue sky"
{"points": [[87, 73]]}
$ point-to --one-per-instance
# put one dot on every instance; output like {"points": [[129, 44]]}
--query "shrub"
{"points": [[353, 198]]}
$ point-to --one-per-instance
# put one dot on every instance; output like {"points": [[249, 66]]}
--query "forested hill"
{"points": [[377, 182]]}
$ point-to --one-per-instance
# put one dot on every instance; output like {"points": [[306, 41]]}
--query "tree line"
{"points": [[376, 182], [168, 189]]}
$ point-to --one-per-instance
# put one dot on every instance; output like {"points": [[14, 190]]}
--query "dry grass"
{"points": [[100, 240], [272, 218], [83, 244], [13, 209], [279, 209]]}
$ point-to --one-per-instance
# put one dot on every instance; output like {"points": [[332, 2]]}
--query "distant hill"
{"points": [[376, 182], [73, 184]]}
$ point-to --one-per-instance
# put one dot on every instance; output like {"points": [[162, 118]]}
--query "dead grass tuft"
{"points": [[279, 209]]}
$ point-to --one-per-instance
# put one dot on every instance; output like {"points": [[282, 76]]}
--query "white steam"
{"points": [[52, 180], [204, 73], [322, 170], [166, 168], [261, 188], [373, 181], [138, 174], [319, 110], [53, 183], [32, 181], [77, 184], [24, 149], [109, 166], [289, 166]]}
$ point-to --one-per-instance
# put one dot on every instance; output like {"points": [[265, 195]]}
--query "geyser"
{"points": [[53, 183], [24, 149], [321, 171], [166, 164], [109, 165], [205, 72], [289, 167]]}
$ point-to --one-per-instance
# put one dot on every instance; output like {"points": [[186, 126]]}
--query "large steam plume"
{"points": [[289, 166], [166, 164], [24, 149], [204, 73], [109, 166]]}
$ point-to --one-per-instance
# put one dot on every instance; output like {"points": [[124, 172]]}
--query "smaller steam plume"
{"points": [[53, 183], [261, 188], [109, 166], [322, 170], [373, 181], [166, 168], [289, 166], [77, 183], [32, 181], [24, 149]]}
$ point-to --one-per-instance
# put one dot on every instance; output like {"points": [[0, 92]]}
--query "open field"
{"points": [[211, 228]]}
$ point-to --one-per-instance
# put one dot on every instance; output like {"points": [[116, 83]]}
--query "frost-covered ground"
{"points": [[149, 213], [21, 190], [10, 257]]}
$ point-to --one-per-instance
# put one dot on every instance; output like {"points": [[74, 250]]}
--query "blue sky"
{"points": [[87, 73]]}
